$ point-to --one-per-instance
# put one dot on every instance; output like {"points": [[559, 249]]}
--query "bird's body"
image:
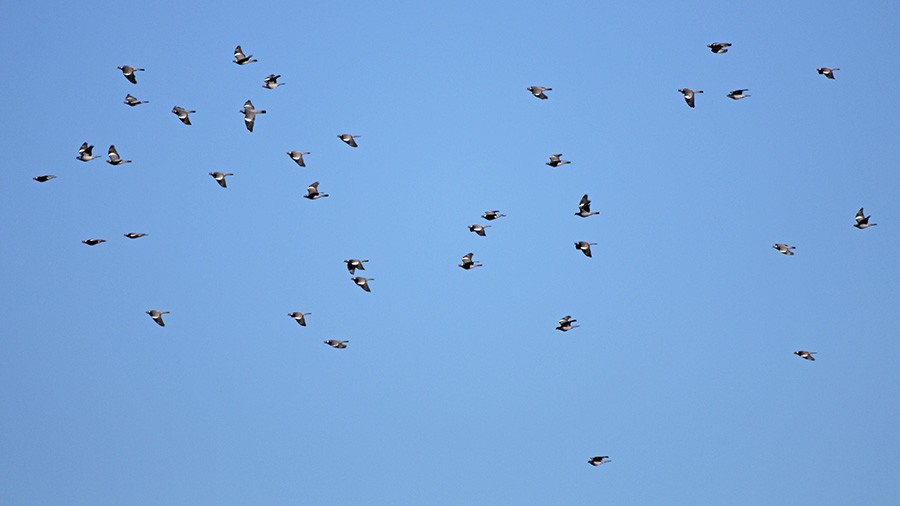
{"points": [[478, 229], [862, 221], [827, 71], [349, 139], [556, 161], [271, 82], [737, 94], [129, 100], [468, 263], [128, 71], [784, 249], [719, 47], [114, 158], [240, 58], [297, 156], [689, 95], [584, 207], [134, 235], [157, 316], [220, 178], [182, 114], [355, 263], [312, 192], [596, 461], [585, 247], [85, 153], [334, 343], [538, 91], [492, 215], [300, 317], [44, 179], [93, 242], [250, 113], [806, 355], [565, 323], [362, 282]]}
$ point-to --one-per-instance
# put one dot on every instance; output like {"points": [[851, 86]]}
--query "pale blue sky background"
{"points": [[455, 389]]}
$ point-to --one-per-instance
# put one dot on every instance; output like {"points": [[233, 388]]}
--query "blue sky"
{"points": [[455, 387]]}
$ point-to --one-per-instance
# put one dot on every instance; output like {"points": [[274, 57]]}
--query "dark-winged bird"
{"points": [[565, 323], [862, 221], [585, 247], [128, 71], [538, 91], [85, 153], [827, 71], [220, 178], [133, 101], [362, 282], [44, 179], [492, 215], [157, 316], [334, 343], [584, 207], [689, 95], [349, 139], [355, 263], [271, 82], [784, 249], [719, 47], [556, 161], [737, 94], [467, 262], [806, 355], [312, 192], [240, 58], [297, 156], [182, 114], [250, 114], [114, 158], [134, 235], [93, 242], [596, 461], [478, 229], [300, 317]]}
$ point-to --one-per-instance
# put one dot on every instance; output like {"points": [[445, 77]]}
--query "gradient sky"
{"points": [[455, 387]]}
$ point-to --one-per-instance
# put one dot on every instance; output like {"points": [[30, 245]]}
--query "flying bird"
{"points": [[362, 282], [737, 94], [349, 139], [827, 71], [93, 242], [240, 58], [157, 316], [585, 247], [128, 71], [182, 114], [334, 343], [114, 158], [784, 249], [44, 179], [584, 207], [467, 262], [85, 153], [134, 235], [297, 156], [689, 95], [862, 221], [556, 161], [355, 263], [492, 215], [220, 178], [596, 461], [250, 114], [538, 91], [133, 101], [719, 47], [806, 355], [478, 229], [312, 192], [565, 323], [300, 317], [270, 82]]}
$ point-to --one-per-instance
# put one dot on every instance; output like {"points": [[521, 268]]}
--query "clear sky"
{"points": [[455, 388]]}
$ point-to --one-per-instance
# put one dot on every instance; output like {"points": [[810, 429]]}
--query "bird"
{"points": [[596, 461], [182, 114], [220, 178], [784, 249], [555, 160], [584, 207], [300, 317], [737, 94], [240, 58], [134, 235], [719, 47], [585, 247], [565, 323], [297, 156], [349, 139], [114, 158], [128, 71], [312, 192], [806, 355], [862, 221], [269, 82], [133, 101], [93, 242], [689, 95], [355, 263], [827, 71], [85, 153], [157, 316], [538, 91], [250, 114], [44, 179], [467, 262], [334, 343], [362, 282], [492, 215], [478, 229]]}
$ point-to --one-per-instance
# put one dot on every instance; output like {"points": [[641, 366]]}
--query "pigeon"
{"points": [[157, 316], [182, 114], [596, 461], [719, 47], [93, 242], [584, 207], [355, 263], [240, 58], [538, 91], [349, 139], [270, 82], [862, 221], [555, 160], [334, 343], [128, 71], [467, 262], [133, 101], [492, 215], [297, 156], [300, 317], [827, 71], [565, 323], [44, 179], [220, 178], [689, 95], [478, 229], [784, 249], [250, 114], [362, 282], [312, 192], [737, 94], [806, 355], [585, 247], [134, 235], [85, 153], [114, 158]]}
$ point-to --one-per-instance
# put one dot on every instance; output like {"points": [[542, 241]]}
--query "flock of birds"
{"points": [[85, 154]]}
